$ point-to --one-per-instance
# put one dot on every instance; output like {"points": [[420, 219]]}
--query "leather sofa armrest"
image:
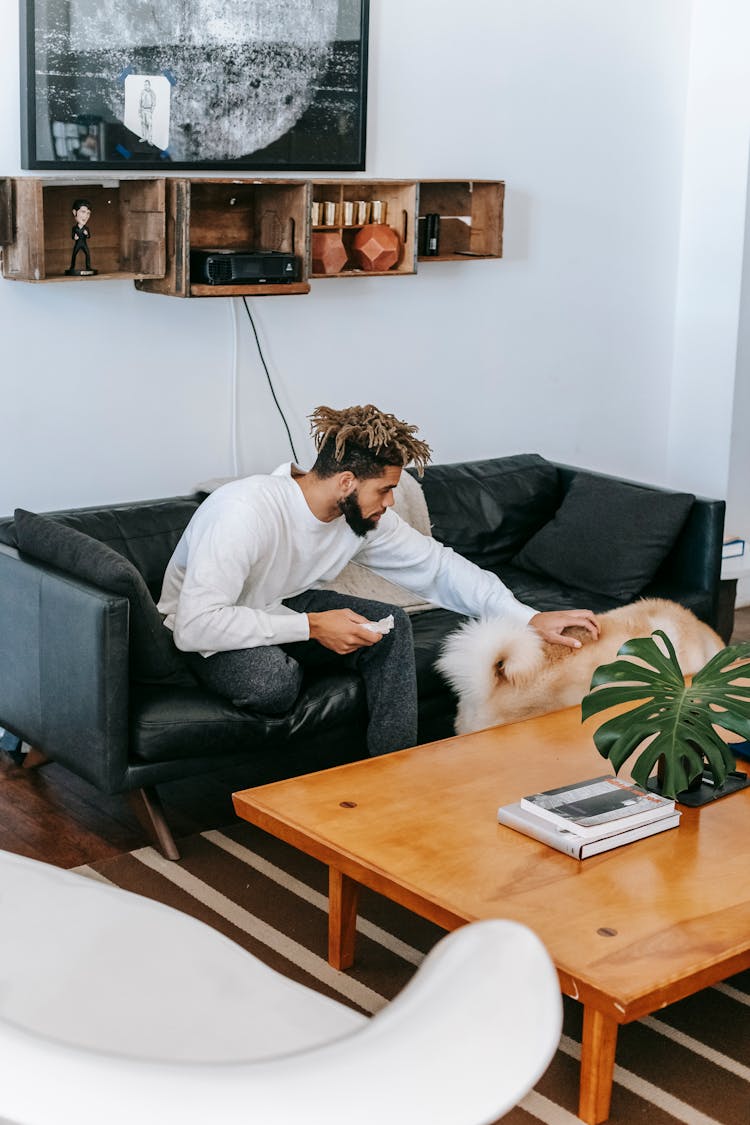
{"points": [[694, 563], [64, 657]]}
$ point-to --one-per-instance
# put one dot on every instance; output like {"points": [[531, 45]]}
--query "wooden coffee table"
{"points": [[630, 930]]}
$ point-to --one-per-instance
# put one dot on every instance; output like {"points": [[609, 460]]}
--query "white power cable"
{"points": [[234, 392]]}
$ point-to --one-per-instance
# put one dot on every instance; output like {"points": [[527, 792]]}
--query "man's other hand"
{"points": [[341, 630], [550, 625]]}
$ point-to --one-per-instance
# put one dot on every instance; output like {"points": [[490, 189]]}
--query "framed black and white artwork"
{"points": [[271, 85]]}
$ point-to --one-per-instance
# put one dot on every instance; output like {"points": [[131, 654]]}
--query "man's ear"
{"points": [[347, 482]]}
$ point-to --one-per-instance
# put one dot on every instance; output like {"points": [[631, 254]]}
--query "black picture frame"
{"points": [[220, 96]]}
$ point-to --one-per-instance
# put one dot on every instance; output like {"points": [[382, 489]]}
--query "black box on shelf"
{"points": [[242, 267]]}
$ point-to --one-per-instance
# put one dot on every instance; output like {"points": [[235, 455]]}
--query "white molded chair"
{"points": [[116, 1009]]}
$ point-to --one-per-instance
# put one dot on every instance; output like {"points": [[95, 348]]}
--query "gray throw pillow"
{"points": [[153, 655], [607, 536]]}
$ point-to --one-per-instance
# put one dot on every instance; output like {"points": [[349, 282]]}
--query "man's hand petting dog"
{"points": [[341, 630], [550, 626]]}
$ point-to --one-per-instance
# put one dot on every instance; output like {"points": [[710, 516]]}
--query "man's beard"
{"points": [[352, 513]]}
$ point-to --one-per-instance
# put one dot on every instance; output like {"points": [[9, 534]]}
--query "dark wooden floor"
{"points": [[741, 625], [52, 815]]}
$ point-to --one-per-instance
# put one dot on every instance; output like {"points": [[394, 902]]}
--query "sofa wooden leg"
{"points": [[34, 758], [147, 806]]}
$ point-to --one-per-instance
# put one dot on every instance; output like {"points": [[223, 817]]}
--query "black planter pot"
{"points": [[702, 789]]}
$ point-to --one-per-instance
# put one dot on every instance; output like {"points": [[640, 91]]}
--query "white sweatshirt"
{"points": [[255, 542]]}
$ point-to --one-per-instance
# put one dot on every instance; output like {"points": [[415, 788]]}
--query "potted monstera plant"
{"points": [[676, 725]]}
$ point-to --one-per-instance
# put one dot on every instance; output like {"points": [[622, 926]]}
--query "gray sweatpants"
{"points": [[268, 679]]}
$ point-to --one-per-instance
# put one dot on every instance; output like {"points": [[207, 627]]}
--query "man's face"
{"points": [[82, 216], [366, 503]]}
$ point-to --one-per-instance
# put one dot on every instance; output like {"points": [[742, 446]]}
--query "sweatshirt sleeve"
{"points": [[418, 562], [219, 564]]}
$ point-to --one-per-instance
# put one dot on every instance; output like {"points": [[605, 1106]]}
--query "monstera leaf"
{"points": [[680, 721]]}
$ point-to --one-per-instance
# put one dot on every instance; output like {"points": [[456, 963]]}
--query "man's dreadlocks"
{"points": [[364, 440]]}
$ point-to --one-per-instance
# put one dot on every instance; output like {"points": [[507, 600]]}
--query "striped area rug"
{"points": [[691, 1063]]}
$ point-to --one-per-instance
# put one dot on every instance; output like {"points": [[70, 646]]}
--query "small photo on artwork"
{"points": [[77, 140], [147, 108]]}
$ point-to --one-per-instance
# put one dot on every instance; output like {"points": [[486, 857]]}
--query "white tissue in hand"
{"points": [[383, 626]]}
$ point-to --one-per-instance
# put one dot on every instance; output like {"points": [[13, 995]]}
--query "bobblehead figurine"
{"points": [[81, 235]]}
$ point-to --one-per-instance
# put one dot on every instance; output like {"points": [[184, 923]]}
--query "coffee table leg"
{"points": [[597, 1065], [343, 895]]}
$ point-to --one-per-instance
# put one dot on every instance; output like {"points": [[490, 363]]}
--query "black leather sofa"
{"points": [[558, 536]]}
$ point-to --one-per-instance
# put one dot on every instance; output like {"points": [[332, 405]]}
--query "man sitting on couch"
{"points": [[241, 589]]}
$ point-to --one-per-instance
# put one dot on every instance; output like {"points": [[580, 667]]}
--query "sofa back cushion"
{"points": [[607, 536], [486, 510], [153, 655]]}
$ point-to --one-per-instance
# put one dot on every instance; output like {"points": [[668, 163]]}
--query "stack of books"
{"points": [[733, 547], [591, 816]]}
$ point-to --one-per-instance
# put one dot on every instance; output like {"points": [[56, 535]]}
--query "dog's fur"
{"points": [[505, 672]]}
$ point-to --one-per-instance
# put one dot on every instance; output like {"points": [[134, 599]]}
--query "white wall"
{"points": [[738, 500], [564, 347], [707, 321]]}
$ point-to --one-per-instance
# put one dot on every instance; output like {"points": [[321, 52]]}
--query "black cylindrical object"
{"points": [[432, 234]]}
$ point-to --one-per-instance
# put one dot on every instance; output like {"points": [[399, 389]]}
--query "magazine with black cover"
{"points": [[607, 802], [571, 843]]}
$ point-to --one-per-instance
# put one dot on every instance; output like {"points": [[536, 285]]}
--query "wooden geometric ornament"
{"points": [[328, 253], [376, 247]]}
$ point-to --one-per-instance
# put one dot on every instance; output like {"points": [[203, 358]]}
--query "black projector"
{"points": [[242, 267]]}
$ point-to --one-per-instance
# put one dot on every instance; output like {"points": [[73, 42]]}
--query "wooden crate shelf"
{"points": [[229, 214], [127, 228], [470, 215], [145, 230], [399, 200]]}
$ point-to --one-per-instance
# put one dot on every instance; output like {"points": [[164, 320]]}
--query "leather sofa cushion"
{"points": [[487, 510], [430, 629], [545, 593], [180, 724], [153, 655], [174, 723], [608, 536]]}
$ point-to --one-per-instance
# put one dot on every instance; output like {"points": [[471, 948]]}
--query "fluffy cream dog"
{"points": [[504, 672]]}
